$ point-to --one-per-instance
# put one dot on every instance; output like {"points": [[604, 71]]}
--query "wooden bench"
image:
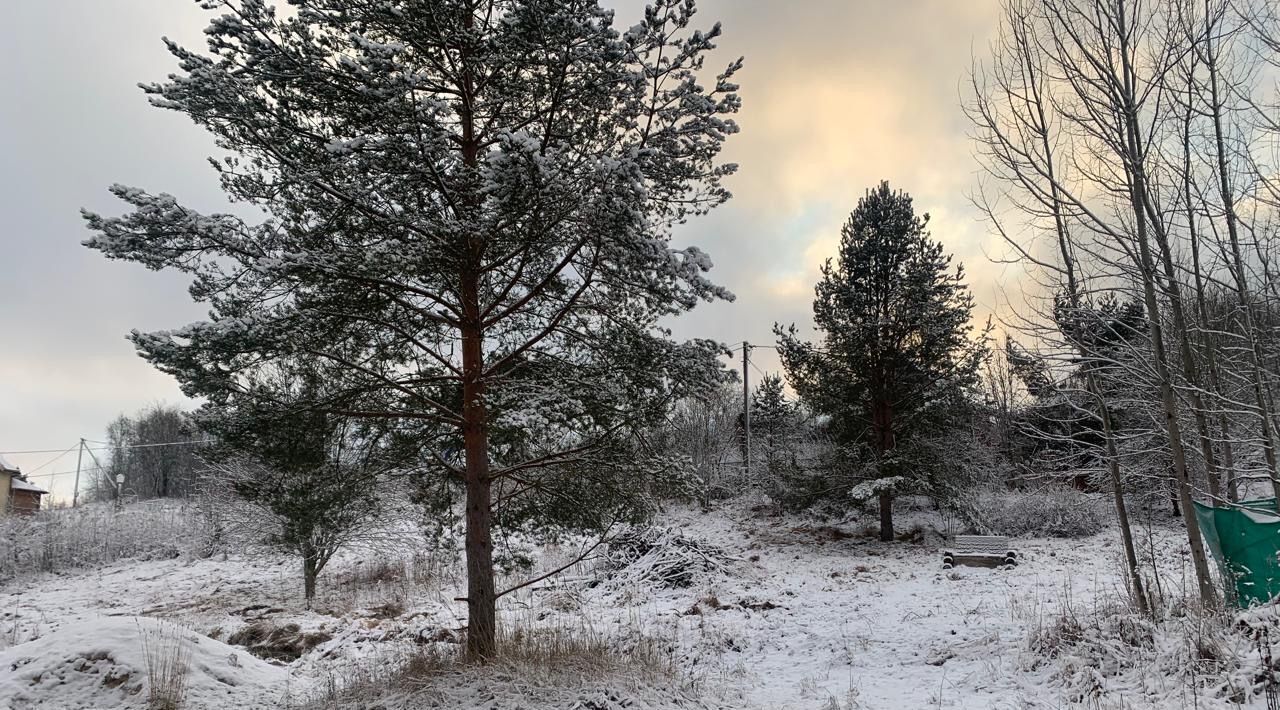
{"points": [[980, 551]]}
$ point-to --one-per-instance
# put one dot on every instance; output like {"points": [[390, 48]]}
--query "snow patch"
{"points": [[102, 664]]}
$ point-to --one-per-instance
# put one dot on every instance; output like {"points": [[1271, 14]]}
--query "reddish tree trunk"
{"points": [[482, 633], [481, 594]]}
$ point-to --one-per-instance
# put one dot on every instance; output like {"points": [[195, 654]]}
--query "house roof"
{"points": [[5, 465], [18, 484]]}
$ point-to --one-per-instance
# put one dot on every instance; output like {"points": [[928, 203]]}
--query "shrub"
{"points": [[1047, 512], [96, 534], [1097, 649]]}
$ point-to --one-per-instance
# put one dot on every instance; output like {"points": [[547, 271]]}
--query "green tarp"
{"points": [[1245, 541]]}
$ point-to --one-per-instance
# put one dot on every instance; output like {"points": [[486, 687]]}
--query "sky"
{"points": [[838, 95]]}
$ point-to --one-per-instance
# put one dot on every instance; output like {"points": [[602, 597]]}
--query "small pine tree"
{"points": [[773, 418], [897, 356], [312, 477]]}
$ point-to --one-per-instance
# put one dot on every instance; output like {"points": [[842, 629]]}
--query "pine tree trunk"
{"points": [[308, 581], [886, 517], [882, 430], [310, 570], [482, 643], [481, 598]]}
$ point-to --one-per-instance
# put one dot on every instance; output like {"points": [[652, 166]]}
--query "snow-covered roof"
{"points": [[18, 484], [5, 465]]}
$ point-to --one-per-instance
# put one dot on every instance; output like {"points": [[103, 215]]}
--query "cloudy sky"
{"points": [[839, 94]]}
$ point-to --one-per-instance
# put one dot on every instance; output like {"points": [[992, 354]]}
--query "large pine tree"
{"points": [[470, 205], [897, 353]]}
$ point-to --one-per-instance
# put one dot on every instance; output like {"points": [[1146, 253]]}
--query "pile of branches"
{"points": [[663, 557]]}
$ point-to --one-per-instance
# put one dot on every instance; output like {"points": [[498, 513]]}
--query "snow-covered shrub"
{"points": [[946, 466], [1110, 649], [706, 431], [96, 534], [818, 479], [1047, 512]]}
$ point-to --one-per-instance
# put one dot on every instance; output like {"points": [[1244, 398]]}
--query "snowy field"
{"points": [[795, 614]]}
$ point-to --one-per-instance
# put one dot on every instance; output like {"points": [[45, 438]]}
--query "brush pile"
{"points": [[662, 556]]}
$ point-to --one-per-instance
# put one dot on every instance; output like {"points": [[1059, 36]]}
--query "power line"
{"points": [[107, 447], [55, 474], [37, 451], [738, 347], [55, 458]]}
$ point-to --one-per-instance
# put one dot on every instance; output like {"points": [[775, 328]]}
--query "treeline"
{"points": [[155, 453]]}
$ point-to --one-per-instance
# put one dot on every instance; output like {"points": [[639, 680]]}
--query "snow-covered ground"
{"points": [[803, 616]]}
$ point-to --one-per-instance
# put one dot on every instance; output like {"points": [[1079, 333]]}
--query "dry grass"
{"points": [[95, 534], [168, 657], [1102, 650], [385, 583], [572, 644], [539, 656]]}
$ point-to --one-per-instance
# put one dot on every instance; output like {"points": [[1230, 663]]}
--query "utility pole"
{"points": [[119, 479], [746, 405], [75, 494]]}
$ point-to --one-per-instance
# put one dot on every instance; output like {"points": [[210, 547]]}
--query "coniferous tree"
{"points": [[312, 474], [896, 356], [773, 420], [470, 205]]}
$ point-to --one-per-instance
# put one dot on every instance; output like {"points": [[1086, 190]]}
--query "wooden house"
{"points": [[18, 496]]}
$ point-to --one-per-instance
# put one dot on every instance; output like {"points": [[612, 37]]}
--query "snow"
{"points": [[802, 616], [18, 484], [5, 465], [871, 490], [100, 663]]}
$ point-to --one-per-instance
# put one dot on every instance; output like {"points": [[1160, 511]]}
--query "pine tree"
{"points": [[773, 419], [312, 475], [897, 354], [470, 205]]}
